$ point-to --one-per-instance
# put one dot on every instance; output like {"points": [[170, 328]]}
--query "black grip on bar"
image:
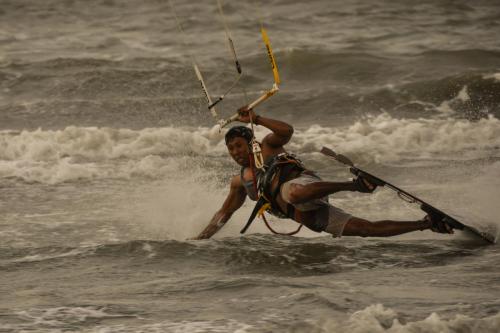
{"points": [[215, 103], [371, 179]]}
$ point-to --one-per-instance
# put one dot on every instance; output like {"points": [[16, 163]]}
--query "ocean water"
{"points": [[110, 161]]}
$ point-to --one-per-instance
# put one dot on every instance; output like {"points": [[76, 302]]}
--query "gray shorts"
{"points": [[328, 218]]}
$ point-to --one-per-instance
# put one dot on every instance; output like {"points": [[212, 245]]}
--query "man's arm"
{"points": [[281, 131], [233, 202]]}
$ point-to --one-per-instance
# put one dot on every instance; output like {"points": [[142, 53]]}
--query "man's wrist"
{"points": [[256, 119], [351, 186]]}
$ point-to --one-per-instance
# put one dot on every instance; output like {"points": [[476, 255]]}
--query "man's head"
{"points": [[238, 140], [239, 131]]}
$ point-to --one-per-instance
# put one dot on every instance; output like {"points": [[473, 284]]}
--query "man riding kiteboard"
{"points": [[286, 189]]}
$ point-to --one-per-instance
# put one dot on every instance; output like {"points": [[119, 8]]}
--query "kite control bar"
{"points": [[268, 93], [252, 105], [210, 103]]}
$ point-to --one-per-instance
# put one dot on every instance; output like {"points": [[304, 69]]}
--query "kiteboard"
{"points": [[426, 207]]}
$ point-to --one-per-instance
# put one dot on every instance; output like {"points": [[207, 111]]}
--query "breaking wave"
{"points": [[53, 156], [377, 318]]}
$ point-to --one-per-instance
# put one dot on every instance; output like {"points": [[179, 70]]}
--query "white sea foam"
{"points": [[99, 144], [446, 107], [494, 76], [216, 326], [181, 209], [478, 199], [463, 95], [55, 255], [373, 319], [378, 319], [384, 138], [87, 153], [60, 317]]}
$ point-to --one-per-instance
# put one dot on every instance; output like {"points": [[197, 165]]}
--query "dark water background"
{"points": [[109, 160]]}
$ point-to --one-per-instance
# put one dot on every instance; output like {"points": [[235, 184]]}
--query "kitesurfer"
{"points": [[292, 191]]}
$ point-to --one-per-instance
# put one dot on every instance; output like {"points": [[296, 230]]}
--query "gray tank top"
{"points": [[249, 186]]}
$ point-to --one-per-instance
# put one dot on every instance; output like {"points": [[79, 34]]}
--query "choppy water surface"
{"points": [[109, 161]]}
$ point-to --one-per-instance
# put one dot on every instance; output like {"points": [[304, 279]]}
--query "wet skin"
{"points": [[239, 150], [272, 145]]}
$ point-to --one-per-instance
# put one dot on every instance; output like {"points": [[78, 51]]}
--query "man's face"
{"points": [[238, 149]]}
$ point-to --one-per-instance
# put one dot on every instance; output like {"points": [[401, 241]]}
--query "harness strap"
{"points": [[263, 209], [260, 207], [255, 210], [268, 200], [254, 176], [279, 233]]}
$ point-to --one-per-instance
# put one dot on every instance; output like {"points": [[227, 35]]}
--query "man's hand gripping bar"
{"points": [[252, 105]]}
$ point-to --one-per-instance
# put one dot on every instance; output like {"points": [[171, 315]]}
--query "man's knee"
{"points": [[295, 193], [358, 227]]}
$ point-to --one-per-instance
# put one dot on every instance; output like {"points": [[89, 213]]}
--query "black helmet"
{"points": [[239, 131]]}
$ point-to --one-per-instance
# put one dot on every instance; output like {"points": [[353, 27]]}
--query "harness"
{"points": [[279, 166]]}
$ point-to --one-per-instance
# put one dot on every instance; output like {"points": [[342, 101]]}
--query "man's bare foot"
{"points": [[437, 224]]}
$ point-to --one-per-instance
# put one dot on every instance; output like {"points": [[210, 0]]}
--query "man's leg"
{"points": [[300, 193], [364, 228], [302, 190]]}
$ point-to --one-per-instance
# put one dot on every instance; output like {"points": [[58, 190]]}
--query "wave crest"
{"points": [[53, 156]]}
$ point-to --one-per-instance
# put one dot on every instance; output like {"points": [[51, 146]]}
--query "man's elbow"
{"points": [[290, 134], [287, 134]]}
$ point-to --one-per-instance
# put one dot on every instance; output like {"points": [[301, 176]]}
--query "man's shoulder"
{"points": [[266, 144], [269, 151], [236, 181]]}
